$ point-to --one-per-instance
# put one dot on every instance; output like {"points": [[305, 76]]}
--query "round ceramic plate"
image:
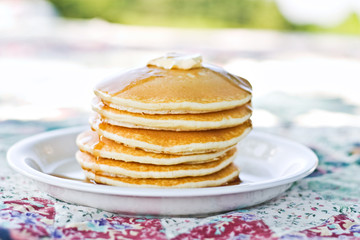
{"points": [[269, 165]]}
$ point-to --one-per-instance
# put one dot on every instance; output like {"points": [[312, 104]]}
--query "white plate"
{"points": [[269, 165]]}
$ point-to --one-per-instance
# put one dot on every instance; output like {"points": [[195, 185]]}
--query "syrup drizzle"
{"points": [[138, 76], [69, 178], [129, 79]]}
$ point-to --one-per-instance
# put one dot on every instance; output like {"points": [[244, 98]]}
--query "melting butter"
{"points": [[177, 61]]}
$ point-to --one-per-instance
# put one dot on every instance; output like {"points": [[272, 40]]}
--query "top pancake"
{"points": [[156, 90]]}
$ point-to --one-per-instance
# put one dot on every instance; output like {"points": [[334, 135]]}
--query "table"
{"points": [[325, 204]]}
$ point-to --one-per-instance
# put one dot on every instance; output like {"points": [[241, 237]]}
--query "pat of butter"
{"points": [[177, 61]]}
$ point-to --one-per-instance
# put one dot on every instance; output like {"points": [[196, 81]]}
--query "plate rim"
{"points": [[18, 164]]}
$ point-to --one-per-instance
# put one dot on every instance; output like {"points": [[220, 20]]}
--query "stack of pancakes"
{"points": [[174, 128]]}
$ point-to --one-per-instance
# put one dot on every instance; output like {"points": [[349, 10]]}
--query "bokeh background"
{"points": [[301, 56]]}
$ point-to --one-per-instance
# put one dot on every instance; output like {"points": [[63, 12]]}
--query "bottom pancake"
{"points": [[220, 178], [139, 170]]}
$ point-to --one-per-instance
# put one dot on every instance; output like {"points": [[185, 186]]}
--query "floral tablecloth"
{"points": [[325, 205]]}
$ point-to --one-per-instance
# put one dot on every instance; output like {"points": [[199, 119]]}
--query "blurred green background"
{"points": [[257, 14]]}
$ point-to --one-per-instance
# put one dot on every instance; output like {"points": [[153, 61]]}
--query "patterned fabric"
{"points": [[325, 205]]}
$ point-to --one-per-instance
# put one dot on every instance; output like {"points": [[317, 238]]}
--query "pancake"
{"points": [[117, 168], [222, 177], [175, 122], [156, 90], [182, 143], [90, 142]]}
